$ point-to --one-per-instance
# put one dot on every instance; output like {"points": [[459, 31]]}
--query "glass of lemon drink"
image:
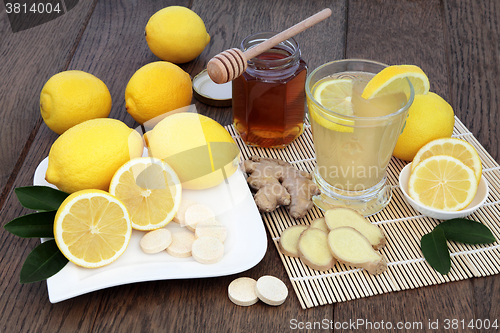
{"points": [[354, 137]]}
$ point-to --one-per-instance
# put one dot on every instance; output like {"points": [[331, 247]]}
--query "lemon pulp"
{"points": [[458, 148], [150, 190], [92, 228], [442, 182]]}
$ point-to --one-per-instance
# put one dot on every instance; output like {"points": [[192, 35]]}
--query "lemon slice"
{"points": [[335, 95], [457, 148], [392, 79], [92, 228], [151, 191], [442, 182]]}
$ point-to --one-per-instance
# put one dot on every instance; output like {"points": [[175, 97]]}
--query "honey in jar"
{"points": [[269, 97]]}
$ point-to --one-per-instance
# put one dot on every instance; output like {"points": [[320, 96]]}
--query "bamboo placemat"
{"points": [[402, 225]]}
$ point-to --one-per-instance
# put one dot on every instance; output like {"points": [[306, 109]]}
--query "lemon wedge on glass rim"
{"points": [[333, 94], [392, 79], [92, 228], [151, 191], [442, 182]]}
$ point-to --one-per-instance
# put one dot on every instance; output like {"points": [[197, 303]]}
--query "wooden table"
{"points": [[455, 42]]}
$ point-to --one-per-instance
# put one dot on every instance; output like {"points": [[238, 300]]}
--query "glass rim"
{"points": [[353, 117]]}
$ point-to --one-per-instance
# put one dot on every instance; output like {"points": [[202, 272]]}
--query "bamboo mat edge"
{"points": [[402, 225]]}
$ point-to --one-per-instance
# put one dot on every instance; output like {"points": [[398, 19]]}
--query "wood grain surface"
{"points": [[454, 42], [29, 58]]}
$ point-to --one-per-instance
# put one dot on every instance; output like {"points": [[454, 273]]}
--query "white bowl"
{"points": [[477, 202]]}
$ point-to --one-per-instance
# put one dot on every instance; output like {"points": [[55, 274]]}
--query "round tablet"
{"points": [[242, 291], [271, 290], [181, 245], [180, 215], [196, 214], [156, 241], [211, 228], [207, 250]]}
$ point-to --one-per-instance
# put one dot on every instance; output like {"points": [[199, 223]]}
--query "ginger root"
{"points": [[278, 183]]}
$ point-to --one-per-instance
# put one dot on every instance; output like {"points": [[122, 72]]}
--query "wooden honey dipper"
{"points": [[228, 65]]}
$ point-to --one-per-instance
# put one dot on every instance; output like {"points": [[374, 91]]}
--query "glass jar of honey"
{"points": [[269, 97]]}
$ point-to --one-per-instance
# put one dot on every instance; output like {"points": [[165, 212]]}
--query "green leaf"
{"points": [[467, 231], [41, 198], [43, 262], [39, 225], [435, 250]]}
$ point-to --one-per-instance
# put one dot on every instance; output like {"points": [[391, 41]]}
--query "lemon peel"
{"points": [[71, 97], [430, 117], [157, 89], [87, 155], [200, 150], [176, 34]]}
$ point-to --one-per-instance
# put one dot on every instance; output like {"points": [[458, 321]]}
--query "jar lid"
{"points": [[208, 92]]}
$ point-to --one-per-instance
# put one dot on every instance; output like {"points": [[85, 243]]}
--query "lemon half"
{"points": [[457, 148], [442, 182], [92, 228], [150, 190]]}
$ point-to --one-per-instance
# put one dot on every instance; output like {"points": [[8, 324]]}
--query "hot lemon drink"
{"points": [[353, 137]]}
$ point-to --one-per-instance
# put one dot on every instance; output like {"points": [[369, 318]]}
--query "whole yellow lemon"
{"points": [[199, 149], [71, 97], [155, 89], [87, 155], [176, 34], [430, 117]]}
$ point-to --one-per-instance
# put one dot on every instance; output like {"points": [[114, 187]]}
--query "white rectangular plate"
{"points": [[244, 247]]}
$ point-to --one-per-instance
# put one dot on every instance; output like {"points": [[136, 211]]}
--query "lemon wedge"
{"points": [[457, 148], [92, 228], [442, 182], [335, 95], [392, 79], [151, 191]]}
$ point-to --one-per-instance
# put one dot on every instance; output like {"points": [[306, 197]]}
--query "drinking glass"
{"points": [[354, 137]]}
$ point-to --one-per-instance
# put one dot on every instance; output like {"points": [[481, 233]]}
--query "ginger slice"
{"points": [[313, 249], [320, 223], [289, 240], [352, 248], [345, 217]]}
